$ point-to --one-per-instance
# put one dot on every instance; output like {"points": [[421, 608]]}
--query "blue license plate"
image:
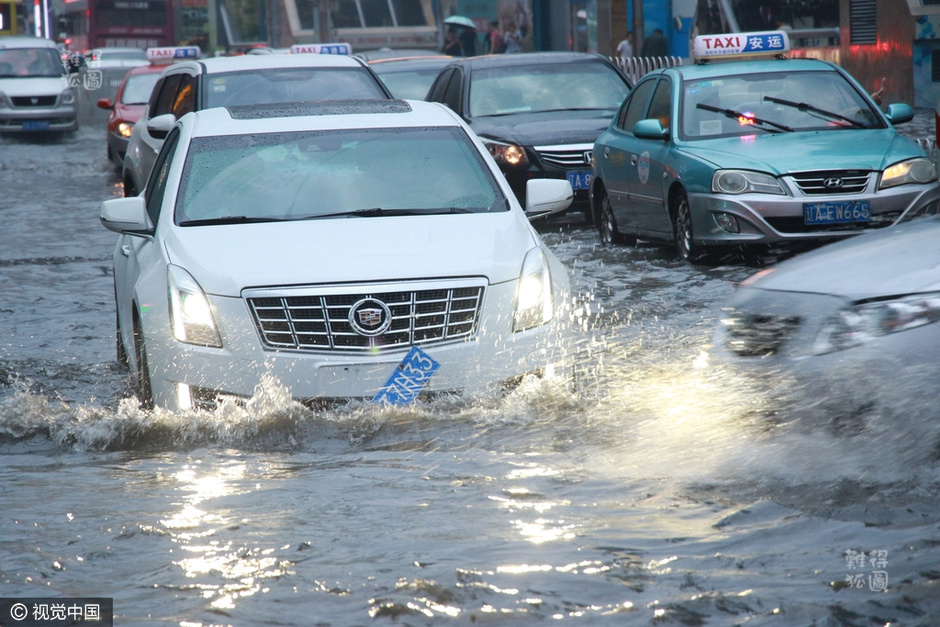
{"points": [[36, 125], [836, 212], [409, 378], [580, 180]]}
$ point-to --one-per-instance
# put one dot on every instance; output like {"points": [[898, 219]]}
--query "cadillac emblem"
{"points": [[370, 317]]}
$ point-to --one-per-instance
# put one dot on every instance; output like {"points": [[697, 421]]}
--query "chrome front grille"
{"points": [[832, 181], [322, 318], [758, 335], [566, 156]]}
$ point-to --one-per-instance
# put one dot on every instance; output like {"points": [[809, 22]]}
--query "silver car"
{"points": [[35, 95]]}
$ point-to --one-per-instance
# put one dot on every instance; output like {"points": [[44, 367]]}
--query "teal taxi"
{"points": [[747, 147]]}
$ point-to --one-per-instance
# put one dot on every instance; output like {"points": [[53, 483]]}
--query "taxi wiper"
{"points": [[737, 115], [802, 106]]}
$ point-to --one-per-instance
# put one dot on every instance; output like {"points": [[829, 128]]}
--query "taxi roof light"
{"points": [[169, 54], [740, 45]]}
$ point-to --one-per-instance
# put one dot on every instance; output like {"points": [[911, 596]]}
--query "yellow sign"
{"points": [[7, 17]]}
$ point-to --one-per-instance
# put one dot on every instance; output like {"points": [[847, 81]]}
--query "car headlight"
{"points": [[745, 181], [919, 170], [533, 293], [4, 101], [511, 154], [864, 322], [67, 97], [124, 129], [190, 313]]}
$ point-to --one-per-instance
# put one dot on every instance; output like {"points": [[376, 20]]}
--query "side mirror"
{"points": [[161, 125], [899, 113], [126, 215], [547, 196], [650, 129], [105, 103]]}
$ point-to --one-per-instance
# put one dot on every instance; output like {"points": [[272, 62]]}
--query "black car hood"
{"points": [[546, 128]]}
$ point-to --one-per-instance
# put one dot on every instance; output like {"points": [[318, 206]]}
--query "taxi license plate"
{"points": [[36, 125], [580, 180], [408, 379], [836, 212]]}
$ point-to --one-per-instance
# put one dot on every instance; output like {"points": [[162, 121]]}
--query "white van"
{"points": [[35, 95]]}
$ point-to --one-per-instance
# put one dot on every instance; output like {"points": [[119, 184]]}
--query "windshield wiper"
{"points": [[378, 211], [802, 106], [736, 115], [228, 220]]}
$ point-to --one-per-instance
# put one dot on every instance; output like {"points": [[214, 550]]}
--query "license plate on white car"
{"points": [[836, 212], [408, 379], [580, 180]]}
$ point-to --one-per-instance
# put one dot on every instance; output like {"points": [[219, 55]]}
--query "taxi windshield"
{"points": [[324, 174], [750, 104]]}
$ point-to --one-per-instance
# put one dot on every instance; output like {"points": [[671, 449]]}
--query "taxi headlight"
{"points": [[745, 181], [919, 170], [190, 313], [858, 324], [506, 153], [533, 293], [67, 97]]}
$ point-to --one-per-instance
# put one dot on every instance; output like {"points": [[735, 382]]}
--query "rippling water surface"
{"points": [[659, 490]]}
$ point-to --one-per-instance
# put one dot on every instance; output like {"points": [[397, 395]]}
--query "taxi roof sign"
{"points": [[341, 48], [740, 44], [172, 53]]}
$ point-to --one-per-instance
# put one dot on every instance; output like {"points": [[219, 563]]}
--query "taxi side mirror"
{"points": [[650, 129], [899, 113]]}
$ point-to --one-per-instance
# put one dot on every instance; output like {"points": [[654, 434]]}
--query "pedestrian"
{"points": [[625, 47], [512, 37], [655, 45], [494, 39], [452, 44], [468, 42]]}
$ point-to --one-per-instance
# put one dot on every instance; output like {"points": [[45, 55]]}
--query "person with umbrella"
{"points": [[452, 45], [466, 33]]}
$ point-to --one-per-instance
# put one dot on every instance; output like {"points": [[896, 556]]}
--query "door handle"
{"points": [[126, 250], [606, 152]]}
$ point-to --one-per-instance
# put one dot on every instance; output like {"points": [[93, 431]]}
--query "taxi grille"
{"points": [[570, 156], [319, 320], [33, 101], [758, 335], [832, 181]]}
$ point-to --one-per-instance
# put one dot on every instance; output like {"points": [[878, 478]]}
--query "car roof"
{"points": [[19, 41], [219, 65], [726, 68], [321, 115]]}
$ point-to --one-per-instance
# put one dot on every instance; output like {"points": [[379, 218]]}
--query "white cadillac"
{"points": [[364, 249]]}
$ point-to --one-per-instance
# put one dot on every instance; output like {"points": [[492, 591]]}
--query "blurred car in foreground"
{"points": [[848, 321], [275, 241], [742, 152], [35, 95], [200, 84], [410, 78], [128, 105], [538, 113]]}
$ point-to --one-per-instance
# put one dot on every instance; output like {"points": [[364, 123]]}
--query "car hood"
{"points": [[902, 259], [546, 128], [33, 86], [780, 153], [226, 259]]}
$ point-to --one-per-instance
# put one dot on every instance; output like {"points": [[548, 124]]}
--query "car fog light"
{"points": [[728, 222], [184, 398]]}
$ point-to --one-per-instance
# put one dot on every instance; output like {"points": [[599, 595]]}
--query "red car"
{"points": [[127, 107]]}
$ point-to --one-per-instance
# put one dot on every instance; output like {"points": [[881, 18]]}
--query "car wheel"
{"points": [[607, 224], [685, 238], [142, 379], [122, 358]]}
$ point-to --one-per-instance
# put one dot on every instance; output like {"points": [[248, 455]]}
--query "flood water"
{"points": [[659, 491]]}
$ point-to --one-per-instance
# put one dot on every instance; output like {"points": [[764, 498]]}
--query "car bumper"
{"points": [[479, 365], [767, 219], [54, 119]]}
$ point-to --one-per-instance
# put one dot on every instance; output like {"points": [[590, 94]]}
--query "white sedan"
{"points": [[363, 249], [854, 325]]}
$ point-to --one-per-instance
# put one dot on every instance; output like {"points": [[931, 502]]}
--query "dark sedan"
{"points": [[538, 113]]}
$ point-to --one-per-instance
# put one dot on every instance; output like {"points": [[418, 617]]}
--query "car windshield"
{"points": [[346, 173], [290, 85], [412, 84], [30, 62], [748, 104], [138, 87], [535, 88]]}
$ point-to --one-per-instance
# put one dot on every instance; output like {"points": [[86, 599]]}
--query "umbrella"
{"points": [[460, 20]]}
